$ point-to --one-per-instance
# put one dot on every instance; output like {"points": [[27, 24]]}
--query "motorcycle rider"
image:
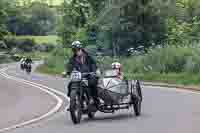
{"points": [[82, 62], [22, 62], [28, 60]]}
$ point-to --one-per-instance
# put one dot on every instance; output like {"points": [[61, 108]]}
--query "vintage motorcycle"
{"points": [[114, 94]]}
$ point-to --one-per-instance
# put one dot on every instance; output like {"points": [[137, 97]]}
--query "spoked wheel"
{"points": [[28, 68], [137, 107], [28, 71], [137, 100], [75, 107], [139, 90]]}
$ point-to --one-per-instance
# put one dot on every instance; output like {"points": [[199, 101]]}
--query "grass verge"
{"points": [[51, 39], [46, 70], [168, 65], [53, 65], [171, 78]]}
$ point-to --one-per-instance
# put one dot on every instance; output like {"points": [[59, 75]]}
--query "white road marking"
{"points": [[48, 90], [43, 86]]}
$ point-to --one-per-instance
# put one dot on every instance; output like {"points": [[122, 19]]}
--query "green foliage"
{"points": [[96, 6], [78, 18], [81, 35], [51, 39], [178, 31], [165, 60], [21, 44], [67, 27], [171, 78], [54, 64], [34, 19], [5, 7], [145, 23], [134, 24]]}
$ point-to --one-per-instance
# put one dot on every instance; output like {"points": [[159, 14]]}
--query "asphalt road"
{"points": [[164, 110], [22, 102]]}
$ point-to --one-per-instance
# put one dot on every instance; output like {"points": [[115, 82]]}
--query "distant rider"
{"points": [[28, 60], [22, 62]]}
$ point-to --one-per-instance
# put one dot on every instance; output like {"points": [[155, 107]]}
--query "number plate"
{"points": [[76, 76]]}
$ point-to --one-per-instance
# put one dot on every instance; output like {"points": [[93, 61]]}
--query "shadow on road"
{"points": [[109, 118]]}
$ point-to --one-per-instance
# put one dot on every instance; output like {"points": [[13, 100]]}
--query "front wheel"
{"points": [[137, 107], [28, 70], [75, 107]]}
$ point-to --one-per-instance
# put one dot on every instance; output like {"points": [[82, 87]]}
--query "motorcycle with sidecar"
{"points": [[113, 93]]}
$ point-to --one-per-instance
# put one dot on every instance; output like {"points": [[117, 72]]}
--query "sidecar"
{"points": [[116, 93]]}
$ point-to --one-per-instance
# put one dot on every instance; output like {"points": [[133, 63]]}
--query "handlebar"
{"points": [[88, 73], [84, 73]]}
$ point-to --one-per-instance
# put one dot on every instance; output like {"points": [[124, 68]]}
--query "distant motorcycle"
{"points": [[114, 94]]}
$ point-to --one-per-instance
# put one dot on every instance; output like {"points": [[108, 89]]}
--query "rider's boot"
{"points": [[96, 102], [67, 108]]}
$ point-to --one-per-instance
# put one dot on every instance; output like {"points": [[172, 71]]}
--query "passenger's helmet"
{"points": [[116, 65]]}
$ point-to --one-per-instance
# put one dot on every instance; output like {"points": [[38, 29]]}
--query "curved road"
{"points": [[164, 110]]}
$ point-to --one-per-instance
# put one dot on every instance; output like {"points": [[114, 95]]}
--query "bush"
{"points": [[165, 60], [44, 47], [22, 44], [3, 45]]}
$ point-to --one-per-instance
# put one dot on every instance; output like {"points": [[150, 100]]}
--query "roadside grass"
{"points": [[53, 65], [55, 2], [171, 78], [51, 39], [46, 70], [36, 55], [168, 65], [5, 60]]}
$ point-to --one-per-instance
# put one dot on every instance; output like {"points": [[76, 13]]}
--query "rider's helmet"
{"points": [[76, 45]]}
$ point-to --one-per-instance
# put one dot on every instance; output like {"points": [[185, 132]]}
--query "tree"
{"points": [[76, 16], [42, 17], [67, 27], [33, 19], [4, 7], [97, 6], [140, 24]]}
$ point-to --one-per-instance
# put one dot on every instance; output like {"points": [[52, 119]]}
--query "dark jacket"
{"points": [[89, 66]]}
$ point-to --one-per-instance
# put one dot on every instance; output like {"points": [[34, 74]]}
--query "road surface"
{"points": [[164, 110]]}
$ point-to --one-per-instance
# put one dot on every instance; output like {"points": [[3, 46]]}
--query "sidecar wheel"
{"points": [[91, 115], [137, 99]]}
